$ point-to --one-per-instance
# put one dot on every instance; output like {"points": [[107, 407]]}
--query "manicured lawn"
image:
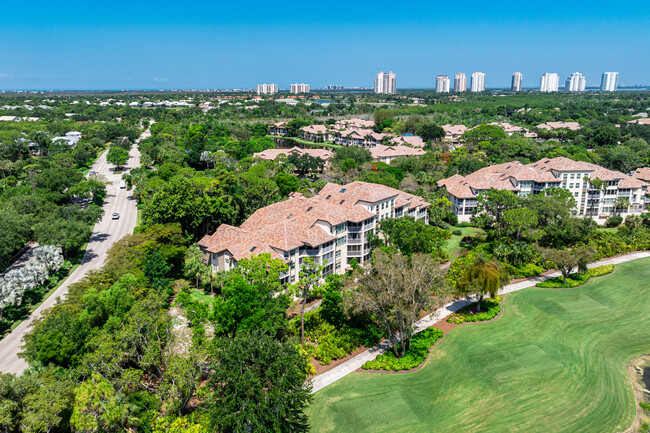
{"points": [[453, 244], [607, 229], [201, 296], [553, 362]]}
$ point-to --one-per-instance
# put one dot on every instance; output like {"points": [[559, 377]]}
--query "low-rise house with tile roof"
{"points": [[573, 126], [273, 154], [332, 227], [560, 172], [381, 153], [279, 128]]}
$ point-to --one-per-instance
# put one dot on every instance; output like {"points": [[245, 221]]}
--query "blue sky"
{"points": [[237, 44]]}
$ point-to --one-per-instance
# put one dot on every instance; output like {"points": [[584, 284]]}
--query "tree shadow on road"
{"points": [[99, 237]]}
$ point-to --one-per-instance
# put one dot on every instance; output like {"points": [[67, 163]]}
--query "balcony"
{"points": [[328, 248], [356, 240], [354, 229]]}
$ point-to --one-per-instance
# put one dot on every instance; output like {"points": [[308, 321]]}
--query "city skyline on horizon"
{"points": [[163, 45]]}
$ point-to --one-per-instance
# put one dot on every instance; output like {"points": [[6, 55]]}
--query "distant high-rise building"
{"points": [[609, 82], [576, 83], [386, 83], [517, 77], [550, 82], [334, 87], [442, 84], [267, 89], [478, 82], [299, 88], [460, 82]]}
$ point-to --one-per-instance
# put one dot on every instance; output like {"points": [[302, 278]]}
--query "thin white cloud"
{"points": [[5, 76], [160, 79]]}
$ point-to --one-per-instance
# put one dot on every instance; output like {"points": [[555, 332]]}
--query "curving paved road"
{"points": [[104, 234]]}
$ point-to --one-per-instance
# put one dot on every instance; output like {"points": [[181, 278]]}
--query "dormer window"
{"points": [[253, 249], [309, 208]]}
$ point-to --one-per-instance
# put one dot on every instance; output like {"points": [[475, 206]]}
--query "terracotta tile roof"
{"points": [[358, 191], [573, 126], [381, 151], [294, 222], [315, 129], [642, 173], [507, 127], [642, 121], [502, 176], [454, 129], [410, 140], [271, 154]]}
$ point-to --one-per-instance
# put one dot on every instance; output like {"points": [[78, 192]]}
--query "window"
{"points": [[572, 176], [340, 241], [338, 253], [570, 185]]}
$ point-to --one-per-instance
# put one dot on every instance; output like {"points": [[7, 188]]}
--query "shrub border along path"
{"points": [[351, 365], [577, 279]]}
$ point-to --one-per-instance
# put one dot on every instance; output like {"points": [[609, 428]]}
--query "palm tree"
{"points": [[483, 277]]}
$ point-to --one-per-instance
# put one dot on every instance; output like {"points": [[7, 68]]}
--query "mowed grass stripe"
{"points": [[554, 361]]}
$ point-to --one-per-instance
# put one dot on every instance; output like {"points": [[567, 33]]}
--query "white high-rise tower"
{"points": [[442, 84], [386, 83], [609, 82], [478, 82], [550, 82], [460, 82], [576, 83], [517, 78], [299, 88]]}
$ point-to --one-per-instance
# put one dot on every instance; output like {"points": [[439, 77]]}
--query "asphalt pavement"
{"points": [[105, 233]]}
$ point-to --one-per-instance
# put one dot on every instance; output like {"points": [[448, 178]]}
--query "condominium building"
{"points": [[609, 82], [550, 82], [517, 78], [576, 83], [442, 84], [332, 228], [386, 83], [460, 82], [478, 82], [559, 172], [267, 89], [299, 88]]}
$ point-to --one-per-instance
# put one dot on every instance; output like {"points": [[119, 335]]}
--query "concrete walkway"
{"points": [[349, 366]]}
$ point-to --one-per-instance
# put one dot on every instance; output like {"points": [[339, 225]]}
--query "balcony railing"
{"points": [[357, 240]]}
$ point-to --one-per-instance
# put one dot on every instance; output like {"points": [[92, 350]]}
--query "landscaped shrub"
{"points": [[326, 342], [490, 308], [525, 270], [420, 345], [575, 280], [614, 221], [645, 407], [457, 232]]}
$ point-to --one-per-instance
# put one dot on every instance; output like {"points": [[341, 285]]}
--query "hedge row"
{"points": [[491, 307], [420, 345], [575, 280]]}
